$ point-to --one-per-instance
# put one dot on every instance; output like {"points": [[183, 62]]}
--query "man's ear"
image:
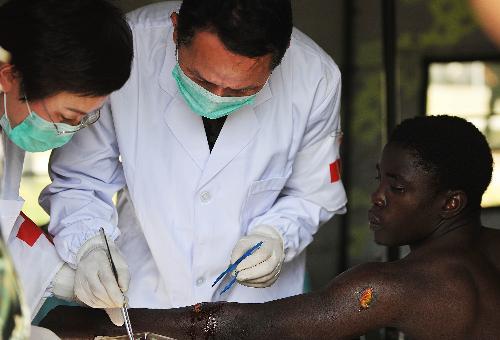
{"points": [[174, 17], [455, 202], [7, 77]]}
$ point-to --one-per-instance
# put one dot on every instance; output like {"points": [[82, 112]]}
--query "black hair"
{"points": [[251, 28], [83, 47], [452, 149]]}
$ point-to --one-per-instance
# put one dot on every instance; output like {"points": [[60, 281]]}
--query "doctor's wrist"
{"points": [[94, 243], [269, 231], [63, 285]]}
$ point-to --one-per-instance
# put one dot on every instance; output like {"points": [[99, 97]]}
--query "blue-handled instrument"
{"points": [[234, 265]]}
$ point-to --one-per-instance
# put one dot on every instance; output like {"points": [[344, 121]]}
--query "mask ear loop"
{"points": [[5, 109], [5, 105], [27, 104]]}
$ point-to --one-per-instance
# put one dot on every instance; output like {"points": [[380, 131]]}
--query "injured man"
{"points": [[431, 178]]}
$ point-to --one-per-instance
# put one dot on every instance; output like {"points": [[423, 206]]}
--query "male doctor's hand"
{"points": [[261, 269], [95, 284]]}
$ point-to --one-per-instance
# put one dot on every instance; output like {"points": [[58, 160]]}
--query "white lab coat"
{"points": [[10, 201], [270, 165], [36, 261]]}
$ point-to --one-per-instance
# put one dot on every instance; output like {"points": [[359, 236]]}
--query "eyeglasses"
{"points": [[87, 120]]}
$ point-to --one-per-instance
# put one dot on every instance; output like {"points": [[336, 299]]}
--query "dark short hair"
{"points": [[82, 47], [452, 149], [251, 28]]}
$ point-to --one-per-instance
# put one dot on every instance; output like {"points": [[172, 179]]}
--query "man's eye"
{"points": [[377, 178], [398, 189]]}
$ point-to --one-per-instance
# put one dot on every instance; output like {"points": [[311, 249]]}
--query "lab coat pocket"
{"points": [[261, 197]]}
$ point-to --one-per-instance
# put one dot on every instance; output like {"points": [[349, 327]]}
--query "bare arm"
{"points": [[364, 298]]}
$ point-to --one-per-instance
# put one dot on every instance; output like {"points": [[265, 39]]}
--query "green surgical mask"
{"points": [[205, 103], [35, 134]]}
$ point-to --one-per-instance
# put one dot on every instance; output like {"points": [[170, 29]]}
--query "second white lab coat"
{"points": [[274, 163], [35, 258]]}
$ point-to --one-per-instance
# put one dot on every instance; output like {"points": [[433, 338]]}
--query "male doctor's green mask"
{"points": [[35, 134], [204, 102]]}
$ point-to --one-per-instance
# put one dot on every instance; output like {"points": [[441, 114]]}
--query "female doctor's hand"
{"points": [[95, 283], [262, 268]]}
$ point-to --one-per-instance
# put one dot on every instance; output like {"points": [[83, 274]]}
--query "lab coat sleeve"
{"points": [[85, 174], [314, 192]]}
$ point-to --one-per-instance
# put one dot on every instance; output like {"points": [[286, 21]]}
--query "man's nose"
{"points": [[378, 198]]}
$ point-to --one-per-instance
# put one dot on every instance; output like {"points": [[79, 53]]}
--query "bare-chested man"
{"points": [[432, 175]]}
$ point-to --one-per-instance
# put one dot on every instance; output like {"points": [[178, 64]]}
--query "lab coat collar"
{"points": [[165, 78], [188, 129], [238, 131]]}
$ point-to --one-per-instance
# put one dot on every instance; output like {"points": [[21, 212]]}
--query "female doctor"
{"points": [[52, 84]]}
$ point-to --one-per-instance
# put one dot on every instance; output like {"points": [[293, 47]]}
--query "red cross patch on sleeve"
{"points": [[29, 232], [335, 171]]}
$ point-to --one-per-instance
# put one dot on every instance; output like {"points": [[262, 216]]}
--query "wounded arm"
{"points": [[364, 298]]}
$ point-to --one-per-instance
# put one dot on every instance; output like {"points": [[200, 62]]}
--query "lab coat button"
{"points": [[205, 197], [200, 281]]}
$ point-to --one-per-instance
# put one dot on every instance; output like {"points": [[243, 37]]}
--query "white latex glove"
{"points": [[39, 333], [64, 288], [95, 284], [64, 284], [115, 315], [261, 269]]}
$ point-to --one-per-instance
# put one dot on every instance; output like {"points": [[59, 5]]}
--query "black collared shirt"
{"points": [[213, 128]]}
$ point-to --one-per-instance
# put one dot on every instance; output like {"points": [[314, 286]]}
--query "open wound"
{"points": [[365, 298]]}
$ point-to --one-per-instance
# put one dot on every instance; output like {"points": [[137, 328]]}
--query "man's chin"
{"points": [[382, 240], [388, 243], [382, 243]]}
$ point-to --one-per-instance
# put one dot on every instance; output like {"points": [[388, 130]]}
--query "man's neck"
{"points": [[458, 230]]}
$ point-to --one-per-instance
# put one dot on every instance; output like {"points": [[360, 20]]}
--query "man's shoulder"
{"points": [[424, 275], [153, 15], [303, 48], [441, 276], [308, 70]]}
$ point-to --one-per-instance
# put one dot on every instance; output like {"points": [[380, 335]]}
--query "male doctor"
{"points": [[226, 134]]}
